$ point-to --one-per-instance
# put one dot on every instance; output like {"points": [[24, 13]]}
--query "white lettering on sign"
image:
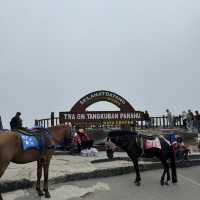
{"points": [[80, 116], [127, 116], [69, 116], [103, 94], [101, 116]]}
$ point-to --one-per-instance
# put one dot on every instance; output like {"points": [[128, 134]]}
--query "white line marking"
{"points": [[190, 180]]}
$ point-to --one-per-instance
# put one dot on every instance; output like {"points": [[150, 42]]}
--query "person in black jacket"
{"points": [[16, 122]]}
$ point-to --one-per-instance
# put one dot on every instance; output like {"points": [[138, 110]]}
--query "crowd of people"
{"points": [[190, 120]]}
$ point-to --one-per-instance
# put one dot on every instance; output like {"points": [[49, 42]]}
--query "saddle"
{"points": [[36, 138], [148, 142]]}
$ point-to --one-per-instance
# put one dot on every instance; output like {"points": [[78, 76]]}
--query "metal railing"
{"points": [[154, 122]]}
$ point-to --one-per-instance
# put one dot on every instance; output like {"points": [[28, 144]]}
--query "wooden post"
{"points": [[52, 118]]}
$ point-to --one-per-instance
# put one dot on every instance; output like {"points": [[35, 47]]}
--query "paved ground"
{"points": [[62, 165], [65, 165], [122, 187]]}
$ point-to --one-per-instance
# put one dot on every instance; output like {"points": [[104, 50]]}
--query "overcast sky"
{"points": [[52, 53]]}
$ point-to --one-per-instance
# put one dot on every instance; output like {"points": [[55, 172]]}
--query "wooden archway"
{"points": [[102, 95]]}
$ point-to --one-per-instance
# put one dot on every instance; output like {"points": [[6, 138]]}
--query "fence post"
{"points": [[52, 118], [36, 123], [163, 121]]}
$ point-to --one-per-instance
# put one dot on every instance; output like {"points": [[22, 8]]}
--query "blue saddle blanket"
{"points": [[171, 137], [29, 142]]}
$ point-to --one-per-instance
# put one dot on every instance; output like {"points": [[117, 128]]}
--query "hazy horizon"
{"points": [[53, 53]]}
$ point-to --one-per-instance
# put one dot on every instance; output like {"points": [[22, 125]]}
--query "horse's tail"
{"points": [[173, 165]]}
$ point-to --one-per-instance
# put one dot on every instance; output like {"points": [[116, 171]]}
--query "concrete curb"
{"points": [[126, 158], [8, 186]]}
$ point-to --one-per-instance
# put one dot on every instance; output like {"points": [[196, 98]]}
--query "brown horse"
{"points": [[10, 151]]}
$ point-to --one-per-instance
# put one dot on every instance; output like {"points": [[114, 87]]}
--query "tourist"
{"points": [[110, 147], [197, 121], [86, 144], [170, 118], [16, 122], [76, 140], [184, 117], [190, 120], [146, 119]]}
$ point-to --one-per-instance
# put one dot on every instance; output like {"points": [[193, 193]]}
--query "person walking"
{"points": [[16, 122]]}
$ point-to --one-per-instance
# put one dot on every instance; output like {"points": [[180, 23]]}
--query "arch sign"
{"points": [[79, 114]]}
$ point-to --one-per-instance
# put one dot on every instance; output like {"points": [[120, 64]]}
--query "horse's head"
{"points": [[59, 132]]}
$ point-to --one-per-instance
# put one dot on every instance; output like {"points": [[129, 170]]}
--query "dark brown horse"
{"points": [[132, 144], [10, 151]]}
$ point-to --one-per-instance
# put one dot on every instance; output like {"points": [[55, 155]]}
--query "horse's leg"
{"points": [[3, 167], [166, 170], [46, 176], [162, 179], [39, 175], [173, 167], [168, 173], [136, 166]]}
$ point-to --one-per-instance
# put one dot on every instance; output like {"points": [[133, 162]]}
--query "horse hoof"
{"points": [[174, 181], [40, 193], [166, 183], [137, 183], [47, 194], [162, 182]]}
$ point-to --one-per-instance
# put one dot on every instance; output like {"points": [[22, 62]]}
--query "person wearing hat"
{"points": [[16, 122], [86, 142]]}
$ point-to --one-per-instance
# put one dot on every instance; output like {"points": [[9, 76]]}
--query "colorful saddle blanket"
{"points": [[30, 141], [153, 143], [171, 139]]}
